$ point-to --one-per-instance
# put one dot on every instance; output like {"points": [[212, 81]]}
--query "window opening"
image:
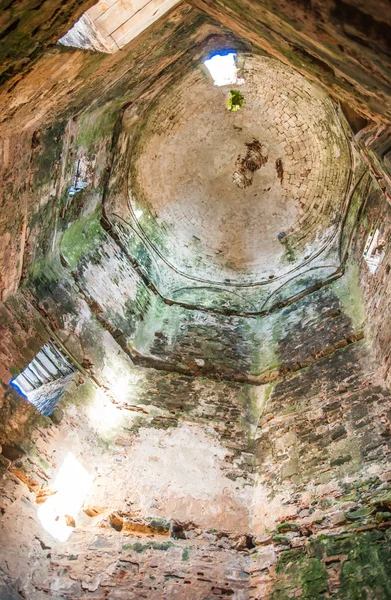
{"points": [[80, 177], [85, 35], [108, 26], [223, 68], [59, 512], [374, 250], [43, 380]]}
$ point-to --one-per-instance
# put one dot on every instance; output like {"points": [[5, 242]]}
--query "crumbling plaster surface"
{"points": [[376, 287], [160, 472], [79, 273], [164, 513], [344, 46], [97, 71], [285, 490], [67, 79], [209, 271], [193, 342], [53, 93]]}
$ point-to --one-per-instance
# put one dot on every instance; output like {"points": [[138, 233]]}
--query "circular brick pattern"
{"points": [[215, 191]]}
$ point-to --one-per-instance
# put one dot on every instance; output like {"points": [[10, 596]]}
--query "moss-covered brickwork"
{"points": [[237, 441], [341, 566]]}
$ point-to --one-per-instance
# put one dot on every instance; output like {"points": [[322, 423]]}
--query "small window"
{"points": [[374, 250], [223, 68], [84, 168], [43, 381], [85, 35]]}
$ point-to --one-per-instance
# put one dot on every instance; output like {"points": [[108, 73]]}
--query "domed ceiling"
{"points": [[243, 198]]}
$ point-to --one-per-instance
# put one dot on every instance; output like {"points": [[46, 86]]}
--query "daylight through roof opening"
{"points": [[223, 69]]}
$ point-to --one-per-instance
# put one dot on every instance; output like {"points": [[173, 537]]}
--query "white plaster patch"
{"points": [[180, 473]]}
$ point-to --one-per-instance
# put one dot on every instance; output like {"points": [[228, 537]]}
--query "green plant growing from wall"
{"points": [[289, 255], [235, 101]]}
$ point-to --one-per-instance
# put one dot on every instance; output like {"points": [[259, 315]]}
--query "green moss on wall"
{"points": [[81, 238], [350, 295], [139, 547], [96, 125], [297, 573], [48, 268], [185, 554], [350, 566], [289, 254]]}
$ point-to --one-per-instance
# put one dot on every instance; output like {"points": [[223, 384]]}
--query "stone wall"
{"points": [[202, 488], [376, 286], [219, 454], [22, 334], [170, 471], [323, 489], [342, 45], [27, 28]]}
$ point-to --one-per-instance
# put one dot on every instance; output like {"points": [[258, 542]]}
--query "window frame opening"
{"points": [[45, 375], [374, 250], [81, 175], [223, 68]]}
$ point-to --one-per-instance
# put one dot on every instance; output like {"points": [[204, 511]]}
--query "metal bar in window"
{"points": [[49, 375], [50, 352], [32, 376], [40, 371], [62, 359], [33, 367], [49, 361], [23, 382]]}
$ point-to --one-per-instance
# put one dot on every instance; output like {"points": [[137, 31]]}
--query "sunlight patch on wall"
{"points": [[58, 514], [104, 416]]}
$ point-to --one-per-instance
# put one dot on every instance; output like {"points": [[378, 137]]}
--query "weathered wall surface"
{"points": [[22, 334], [192, 494], [27, 28], [323, 465], [108, 296], [322, 427], [376, 286], [37, 165], [168, 503], [342, 45], [194, 487]]}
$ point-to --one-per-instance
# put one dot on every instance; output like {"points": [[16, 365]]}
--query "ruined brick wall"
{"points": [[167, 512], [29, 27], [22, 335], [322, 499], [15, 178], [342, 45], [201, 488], [376, 286]]}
